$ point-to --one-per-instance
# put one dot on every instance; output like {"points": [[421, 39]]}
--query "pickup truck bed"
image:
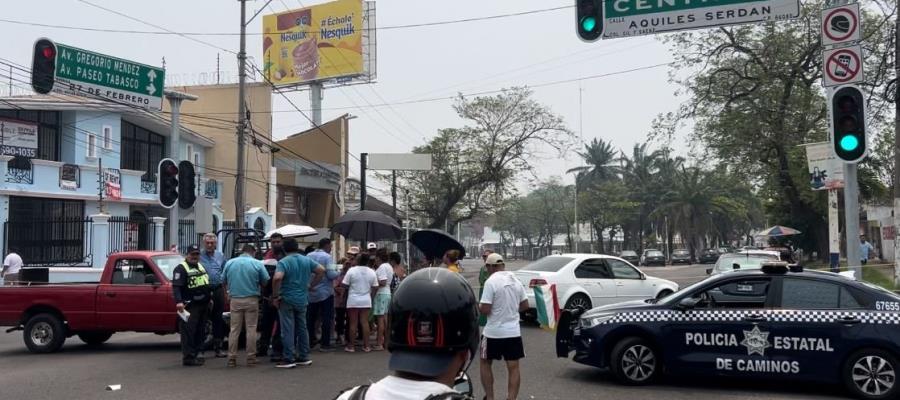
{"points": [[134, 294]]}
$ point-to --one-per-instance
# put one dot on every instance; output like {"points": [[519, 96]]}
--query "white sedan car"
{"points": [[592, 280]]}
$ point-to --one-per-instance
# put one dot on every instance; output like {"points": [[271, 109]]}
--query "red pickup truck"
{"points": [[134, 294]]}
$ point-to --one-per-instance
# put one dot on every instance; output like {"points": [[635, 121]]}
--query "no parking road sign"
{"points": [[843, 66], [840, 24]]}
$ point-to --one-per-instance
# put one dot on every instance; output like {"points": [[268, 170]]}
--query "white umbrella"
{"points": [[292, 230]]}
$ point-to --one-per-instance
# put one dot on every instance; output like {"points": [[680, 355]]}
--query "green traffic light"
{"points": [[588, 23], [849, 143]]}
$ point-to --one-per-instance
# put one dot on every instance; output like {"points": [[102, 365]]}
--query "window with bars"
{"points": [[142, 150]]}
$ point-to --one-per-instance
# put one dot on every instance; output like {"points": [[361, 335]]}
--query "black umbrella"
{"points": [[367, 226], [435, 242]]}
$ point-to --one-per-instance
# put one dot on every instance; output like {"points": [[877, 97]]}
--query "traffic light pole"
{"points": [[896, 179], [851, 219], [175, 99]]}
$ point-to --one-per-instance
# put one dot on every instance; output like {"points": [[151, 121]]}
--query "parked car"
{"points": [[681, 256], [134, 294], [630, 256], [726, 250], [591, 280], [742, 260], [709, 256], [653, 257]]}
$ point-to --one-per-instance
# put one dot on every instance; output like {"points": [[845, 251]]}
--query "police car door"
{"points": [[724, 331], [815, 327]]}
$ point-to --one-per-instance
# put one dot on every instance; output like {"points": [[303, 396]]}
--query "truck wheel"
{"points": [[871, 374], [44, 333], [634, 362], [95, 338]]}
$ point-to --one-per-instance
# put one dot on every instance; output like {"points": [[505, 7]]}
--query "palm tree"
{"points": [[695, 202], [640, 177], [601, 162]]}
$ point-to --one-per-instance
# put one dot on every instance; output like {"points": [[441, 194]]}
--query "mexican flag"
{"points": [[547, 306]]}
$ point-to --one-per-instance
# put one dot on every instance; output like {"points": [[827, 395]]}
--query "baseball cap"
{"points": [[192, 249], [371, 245], [353, 250], [494, 259], [428, 364]]}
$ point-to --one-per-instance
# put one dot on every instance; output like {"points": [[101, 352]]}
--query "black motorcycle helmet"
{"points": [[433, 316]]}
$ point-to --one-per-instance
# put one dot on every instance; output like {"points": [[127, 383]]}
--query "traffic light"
{"points": [[848, 124], [186, 186], [43, 66], [168, 182], [589, 19]]}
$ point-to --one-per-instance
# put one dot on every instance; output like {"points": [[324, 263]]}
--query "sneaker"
{"points": [[286, 365], [304, 363], [221, 354], [232, 363], [252, 362], [328, 349], [192, 362]]}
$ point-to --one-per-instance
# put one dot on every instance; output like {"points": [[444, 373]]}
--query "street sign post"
{"points": [[623, 18], [842, 66], [840, 24], [85, 73]]}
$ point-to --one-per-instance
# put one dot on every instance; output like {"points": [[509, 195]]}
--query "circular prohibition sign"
{"points": [[826, 23], [850, 73]]}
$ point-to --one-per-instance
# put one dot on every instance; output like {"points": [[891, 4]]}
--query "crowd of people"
{"points": [[289, 303], [294, 301]]}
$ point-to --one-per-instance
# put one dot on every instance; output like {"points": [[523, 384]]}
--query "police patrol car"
{"points": [[770, 323]]}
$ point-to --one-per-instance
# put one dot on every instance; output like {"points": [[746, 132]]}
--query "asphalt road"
{"points": [[148, 367]]}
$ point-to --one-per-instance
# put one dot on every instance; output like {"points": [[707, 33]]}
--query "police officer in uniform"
{"points": [[433, 338], [193, 293]]}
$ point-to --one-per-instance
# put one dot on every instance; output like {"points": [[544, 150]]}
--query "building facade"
{"points": [[69, 163]]}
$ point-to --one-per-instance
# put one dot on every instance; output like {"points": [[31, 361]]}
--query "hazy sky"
{"points": [[413, 63]]}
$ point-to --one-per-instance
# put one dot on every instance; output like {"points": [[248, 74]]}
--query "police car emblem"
{"points": [[756, 341]]}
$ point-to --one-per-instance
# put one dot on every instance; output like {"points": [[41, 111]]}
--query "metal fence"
{"points": [[187, 235], [129, 234], [49, 241]]}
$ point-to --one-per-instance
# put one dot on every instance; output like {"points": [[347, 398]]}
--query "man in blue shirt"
{"points": [[290, 289], [865, 248], [214, 262], [244, 276], [321, 297]]}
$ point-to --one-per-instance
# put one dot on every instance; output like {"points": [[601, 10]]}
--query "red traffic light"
{"points": [[170, 169], [48, 52]]}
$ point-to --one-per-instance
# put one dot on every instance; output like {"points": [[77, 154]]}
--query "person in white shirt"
{"points": [[433, 337], [385, 274], [361, 281], [502, 300], [11, 266]]}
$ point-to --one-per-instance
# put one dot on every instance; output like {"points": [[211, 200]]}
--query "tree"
{"points": [[606, 206], [599, 157], [755, 96], [640, 177], [473, 166]]}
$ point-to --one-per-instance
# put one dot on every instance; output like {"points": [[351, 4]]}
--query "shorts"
{"points": [[509, 349], [381, 304]]}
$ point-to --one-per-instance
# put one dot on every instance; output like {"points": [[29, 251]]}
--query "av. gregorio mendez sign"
{"points": [[624, 18]]}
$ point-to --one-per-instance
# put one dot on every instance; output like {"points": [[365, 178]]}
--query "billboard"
{"points": [[825, 170], [316, 43], [18, 138]]}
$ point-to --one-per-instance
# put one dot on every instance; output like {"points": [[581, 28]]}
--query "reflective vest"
{"points": [[196, 278]]}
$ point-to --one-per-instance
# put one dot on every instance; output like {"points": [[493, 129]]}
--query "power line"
{"points": [[165, 31]]}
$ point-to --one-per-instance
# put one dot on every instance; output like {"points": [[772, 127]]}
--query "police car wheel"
{"points": [[634, 361], [871, 374]]}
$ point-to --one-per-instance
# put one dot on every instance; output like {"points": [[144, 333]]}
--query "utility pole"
{"points": [[363, 157], [581, 134], [315, 103], [896, 150], [242, 121]]}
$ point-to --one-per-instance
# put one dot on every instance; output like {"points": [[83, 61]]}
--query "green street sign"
{"points": [[85, 73], [623, 18]]}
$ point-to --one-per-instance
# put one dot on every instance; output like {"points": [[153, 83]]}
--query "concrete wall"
{"points": [[220, 101]]}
